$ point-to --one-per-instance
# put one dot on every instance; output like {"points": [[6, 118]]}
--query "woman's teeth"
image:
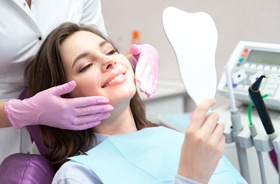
{"points": [[114, 80]]}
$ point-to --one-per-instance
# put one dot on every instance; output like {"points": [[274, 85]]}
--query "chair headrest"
{"points": [[23, 168]]}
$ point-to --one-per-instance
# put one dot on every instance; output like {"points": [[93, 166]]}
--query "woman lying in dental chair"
{"points": [[126, 147]]}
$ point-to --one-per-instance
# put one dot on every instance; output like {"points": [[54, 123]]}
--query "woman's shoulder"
{"points": [[72, 172]]}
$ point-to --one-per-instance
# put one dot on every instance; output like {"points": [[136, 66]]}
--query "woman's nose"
{"points": [[108, 63]]}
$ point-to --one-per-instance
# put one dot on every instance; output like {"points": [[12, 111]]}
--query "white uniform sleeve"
{"points": [[183, 180], [92, 15], [75, 173]]}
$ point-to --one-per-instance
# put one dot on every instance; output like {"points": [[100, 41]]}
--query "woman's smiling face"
{"points": [[97, 67]]}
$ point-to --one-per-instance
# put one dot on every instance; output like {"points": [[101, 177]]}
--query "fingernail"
{"points": [[109, 108], [102, 100]]}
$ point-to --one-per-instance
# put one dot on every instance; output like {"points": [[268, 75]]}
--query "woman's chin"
{"points": [[122, 95]]}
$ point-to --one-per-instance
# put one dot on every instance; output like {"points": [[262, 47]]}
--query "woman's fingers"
{"points": [[200, 112], [203, 145], [210, 124], [217, 139]]}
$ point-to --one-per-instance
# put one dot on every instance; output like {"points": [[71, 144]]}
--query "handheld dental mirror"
{"points": [[193, 37]]}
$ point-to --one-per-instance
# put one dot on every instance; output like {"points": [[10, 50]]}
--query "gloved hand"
{"points": [[49, 108], [145, 62]]}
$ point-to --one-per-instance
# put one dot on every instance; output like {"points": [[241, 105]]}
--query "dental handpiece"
{"points": [[257, 99]]}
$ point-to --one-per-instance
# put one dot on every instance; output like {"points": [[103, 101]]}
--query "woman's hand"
{"points": [[145, 62], [203, 144], [49, 108]]}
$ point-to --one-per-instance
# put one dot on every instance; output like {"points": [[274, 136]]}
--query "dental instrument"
{"points": [[257, 99], [236, 129]]}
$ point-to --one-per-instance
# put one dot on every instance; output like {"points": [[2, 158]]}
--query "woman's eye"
{"points": [[85, 67], [112, 52]]}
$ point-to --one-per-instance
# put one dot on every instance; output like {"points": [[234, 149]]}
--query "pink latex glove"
{"points": [[145, 62], [49, 108]]}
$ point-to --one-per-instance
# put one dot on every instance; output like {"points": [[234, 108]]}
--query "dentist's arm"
{"points": [[4, 122], [203, 145], [145, 62], [49, 108]]}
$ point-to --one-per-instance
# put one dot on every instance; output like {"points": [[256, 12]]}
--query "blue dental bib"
{"points": [[147, 156]]}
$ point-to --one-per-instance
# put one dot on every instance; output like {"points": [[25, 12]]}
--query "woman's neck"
{"points": [[118, 123]]}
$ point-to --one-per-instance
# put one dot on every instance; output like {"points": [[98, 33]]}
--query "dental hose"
{"points": [[262, 111], [254, 133]]}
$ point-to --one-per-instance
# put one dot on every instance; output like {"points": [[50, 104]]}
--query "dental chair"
{"points": [[23, 168]]}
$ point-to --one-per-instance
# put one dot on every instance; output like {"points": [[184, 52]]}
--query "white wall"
{"points": [[249, 20]]}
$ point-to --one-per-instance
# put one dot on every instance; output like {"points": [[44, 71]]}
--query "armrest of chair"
{"points": [[23, 168]]}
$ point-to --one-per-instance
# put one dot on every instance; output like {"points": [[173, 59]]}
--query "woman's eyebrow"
{"points": [[101, 44], [83, 55]]}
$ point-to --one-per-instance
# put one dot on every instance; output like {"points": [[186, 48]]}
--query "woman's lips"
{"points": [[115, 78]]}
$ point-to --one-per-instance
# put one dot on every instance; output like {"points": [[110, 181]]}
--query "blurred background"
{"points": [[249, 20], [236, 20]]}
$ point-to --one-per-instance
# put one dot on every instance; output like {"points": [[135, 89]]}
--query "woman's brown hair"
{"points": [[46, 71]]}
